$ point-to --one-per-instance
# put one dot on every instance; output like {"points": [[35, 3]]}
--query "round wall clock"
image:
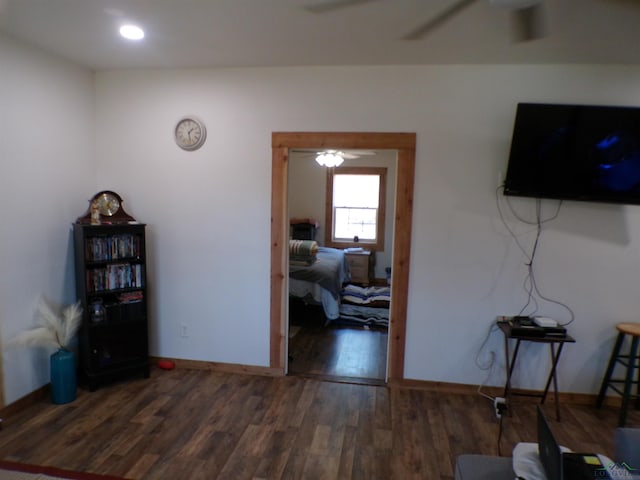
{"points": [[190, 133]]}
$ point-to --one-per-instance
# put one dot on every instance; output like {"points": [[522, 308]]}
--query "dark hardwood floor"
{"points": [[198, 424], [339, 351]]}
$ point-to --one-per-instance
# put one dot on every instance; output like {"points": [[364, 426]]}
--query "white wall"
{"points": [[307, 191], [46, 177], [208, 211], [62, 138]]}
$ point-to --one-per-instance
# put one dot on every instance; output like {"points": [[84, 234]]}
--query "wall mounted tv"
{"points": [[575, 152]]}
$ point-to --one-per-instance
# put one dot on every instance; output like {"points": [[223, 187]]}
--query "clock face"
{"points": [[190, 133], [106, 207], [108, 204]]}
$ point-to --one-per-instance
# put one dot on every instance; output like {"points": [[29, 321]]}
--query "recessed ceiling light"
{"points": [[131, 32]]}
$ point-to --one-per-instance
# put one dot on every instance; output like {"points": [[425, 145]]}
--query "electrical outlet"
{"points": [[184, 331], [499, 406]]}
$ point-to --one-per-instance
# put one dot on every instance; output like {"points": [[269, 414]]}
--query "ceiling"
{"points": [[241, 33]]}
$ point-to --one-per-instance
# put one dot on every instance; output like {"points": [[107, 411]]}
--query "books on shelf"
{"points": [[130, 297], [114, 277], [113, 247]]}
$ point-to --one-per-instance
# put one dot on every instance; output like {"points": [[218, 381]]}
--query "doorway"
{"points": [[2, 400], [404, 144], [339, 299]]}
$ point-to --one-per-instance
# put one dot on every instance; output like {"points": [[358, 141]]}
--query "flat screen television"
{"points": [[575, 152]]}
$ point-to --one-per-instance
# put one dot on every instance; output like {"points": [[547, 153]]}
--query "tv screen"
{"points": [[575, 152]]}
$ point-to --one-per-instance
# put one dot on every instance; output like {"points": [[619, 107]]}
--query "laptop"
{"points": [[559, 465]]}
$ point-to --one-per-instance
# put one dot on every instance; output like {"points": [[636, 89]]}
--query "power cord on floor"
{"points": [[488, 366], [499, 403], [500, 410], [500, 436]]}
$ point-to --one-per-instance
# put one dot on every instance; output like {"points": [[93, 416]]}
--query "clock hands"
{"points": [[189, 134], [196, 137]]}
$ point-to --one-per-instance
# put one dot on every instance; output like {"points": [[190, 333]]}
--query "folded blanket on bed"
{"points": [[303, 248], [369, 296], [359, 315]]}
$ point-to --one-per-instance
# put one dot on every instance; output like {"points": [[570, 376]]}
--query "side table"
{"points": [[555, 347]]}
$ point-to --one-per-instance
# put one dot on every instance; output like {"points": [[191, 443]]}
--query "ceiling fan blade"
{"points": [[528, 23], [359, 152], [335, 5], [354, 153], [439, 19]]}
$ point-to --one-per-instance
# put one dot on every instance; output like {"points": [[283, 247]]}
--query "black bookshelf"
{"points": [[110, 267]]}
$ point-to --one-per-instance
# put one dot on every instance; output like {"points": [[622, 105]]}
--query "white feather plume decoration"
{"points": [[52, 330]]}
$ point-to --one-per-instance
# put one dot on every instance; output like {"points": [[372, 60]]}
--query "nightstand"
{"points": [[361, 265]]}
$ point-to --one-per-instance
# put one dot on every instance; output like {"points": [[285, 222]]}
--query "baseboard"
{"points": [[464, 389], [23, 403], [222, 367], [340, 379]]}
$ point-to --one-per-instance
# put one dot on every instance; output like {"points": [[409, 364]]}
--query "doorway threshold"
{"points": [[375, 382]]}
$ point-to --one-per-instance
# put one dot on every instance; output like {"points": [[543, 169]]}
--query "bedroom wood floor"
{"points": [[197, 424], [339, 352]]}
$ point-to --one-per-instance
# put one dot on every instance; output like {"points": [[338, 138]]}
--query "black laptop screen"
{"points": [[548, 449]]}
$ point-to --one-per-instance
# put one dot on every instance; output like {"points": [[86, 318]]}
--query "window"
{"points": [[355, 207]]}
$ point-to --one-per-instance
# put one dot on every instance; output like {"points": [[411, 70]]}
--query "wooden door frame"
{"points": [[405, 145]]}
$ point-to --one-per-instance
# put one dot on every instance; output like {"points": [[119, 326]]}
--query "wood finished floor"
{"points": [[196, 424], [337, 351]]}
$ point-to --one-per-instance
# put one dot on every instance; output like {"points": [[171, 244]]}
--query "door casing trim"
{"points": [[405, 146]]}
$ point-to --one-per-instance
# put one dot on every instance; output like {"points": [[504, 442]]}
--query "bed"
{"points": [[321, 281]]}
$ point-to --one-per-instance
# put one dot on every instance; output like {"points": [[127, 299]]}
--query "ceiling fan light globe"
{"points": [[328, 159]]}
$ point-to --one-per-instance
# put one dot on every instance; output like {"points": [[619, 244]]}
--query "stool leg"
{"points": [[638, 385], [628, 381], [612, 363]]}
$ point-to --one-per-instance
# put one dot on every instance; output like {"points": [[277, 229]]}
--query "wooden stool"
{"points": [[630, 361]]}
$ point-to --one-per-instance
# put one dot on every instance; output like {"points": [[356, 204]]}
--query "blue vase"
{"points": [[63, 376]]}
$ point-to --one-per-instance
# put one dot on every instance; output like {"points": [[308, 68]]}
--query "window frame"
{"points": [[377, 245]]}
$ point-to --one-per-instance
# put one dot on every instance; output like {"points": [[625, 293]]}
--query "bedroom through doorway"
{"points": [[338, 327], [404, 143]]}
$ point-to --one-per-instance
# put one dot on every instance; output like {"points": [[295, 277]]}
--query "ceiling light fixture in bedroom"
{"points": [[330, 158]]}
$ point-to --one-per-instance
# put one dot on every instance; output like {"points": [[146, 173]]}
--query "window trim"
{"points": [[381, 172]]}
